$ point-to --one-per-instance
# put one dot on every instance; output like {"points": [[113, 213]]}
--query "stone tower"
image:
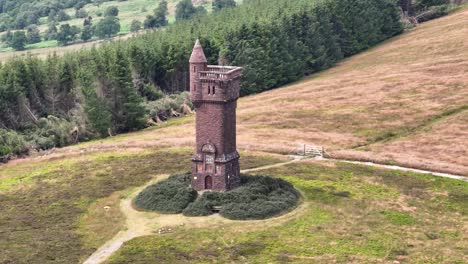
{"points": [[214, 91]]}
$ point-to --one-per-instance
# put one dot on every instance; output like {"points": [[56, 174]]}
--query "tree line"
{"points": [[92, 92]]}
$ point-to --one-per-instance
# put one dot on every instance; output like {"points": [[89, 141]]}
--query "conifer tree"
{"points": [[52, 84], [129, 113], [96, 108], [67, 91]]}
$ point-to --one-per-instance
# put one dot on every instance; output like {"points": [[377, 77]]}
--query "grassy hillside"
{"points": [[406, 90], [403, 102]]}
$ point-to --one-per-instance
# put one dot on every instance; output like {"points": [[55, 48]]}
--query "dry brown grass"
{"points": [[442, 147], [390, 89], [396, 85]]}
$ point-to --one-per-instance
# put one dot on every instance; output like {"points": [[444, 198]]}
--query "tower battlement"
{"points": [[220, 73], [214, 91], [216, 84]]}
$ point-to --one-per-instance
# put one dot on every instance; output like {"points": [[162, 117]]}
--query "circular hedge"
{"points": [[170, 196], [258, 197]]}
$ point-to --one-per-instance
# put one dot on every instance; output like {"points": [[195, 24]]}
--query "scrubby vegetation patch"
{"points": [[11, 143], [170, 196], [259, 197]]}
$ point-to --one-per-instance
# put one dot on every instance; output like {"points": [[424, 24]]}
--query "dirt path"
{"points": [[394, 167], [296, 159], [149, 223], [146, 223]]}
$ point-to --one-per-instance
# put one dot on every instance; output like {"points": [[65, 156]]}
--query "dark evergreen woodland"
{"points": [[105, 89]]}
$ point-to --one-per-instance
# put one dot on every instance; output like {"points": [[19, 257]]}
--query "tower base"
{"points": [[223, 177]]}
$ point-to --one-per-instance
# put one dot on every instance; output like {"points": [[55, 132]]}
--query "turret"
{"points": [[198, 63]]}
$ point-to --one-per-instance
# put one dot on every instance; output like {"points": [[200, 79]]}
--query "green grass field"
{"points": [[128, 11], [354, 214], [52, 213]]}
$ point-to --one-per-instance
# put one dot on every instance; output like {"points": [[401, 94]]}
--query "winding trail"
{"points": [[295, 159], [139, 223], [395, 167]]}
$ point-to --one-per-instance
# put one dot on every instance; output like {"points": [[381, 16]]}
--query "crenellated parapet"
{"points": [[216, 84]]}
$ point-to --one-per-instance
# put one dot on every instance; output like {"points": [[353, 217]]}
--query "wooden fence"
{"points": [[310, 150]]}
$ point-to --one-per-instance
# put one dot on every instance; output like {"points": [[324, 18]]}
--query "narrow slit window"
{"points": [[194, 68], [209, 89], [214, 89]]}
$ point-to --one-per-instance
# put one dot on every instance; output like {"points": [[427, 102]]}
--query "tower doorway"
{"points": [[208, 183]]}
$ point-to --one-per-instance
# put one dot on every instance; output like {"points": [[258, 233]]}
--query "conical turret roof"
{"points": [[198, 56]]}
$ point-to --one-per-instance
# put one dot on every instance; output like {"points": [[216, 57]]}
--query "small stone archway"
{"points": [[208, 182]]}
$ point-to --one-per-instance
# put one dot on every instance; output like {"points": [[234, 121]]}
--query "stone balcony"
{"points": [[220, 73]]}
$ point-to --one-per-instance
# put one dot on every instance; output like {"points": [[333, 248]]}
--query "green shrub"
{"points": [[163, 106], [258, 197], [198, 208], [428, 3], [169, 196], [51, 132], [433, 12], [150, 92], [11, 143]]}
